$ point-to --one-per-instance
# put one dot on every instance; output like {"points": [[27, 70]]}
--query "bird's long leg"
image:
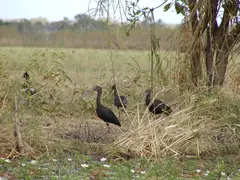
{"points": [[108, 127], [119, 112]]}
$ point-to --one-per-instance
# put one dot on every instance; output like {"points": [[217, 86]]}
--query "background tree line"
{"points": [[81, 32]]}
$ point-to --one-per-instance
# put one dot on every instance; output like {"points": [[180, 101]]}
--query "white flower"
{"points": [[54, 160], [223, 173], [207, 171], [33, 162], [206, 174], [69, 159], [84, 165], [103, 159], [7, 161], [132, 170], [143, 172], [228, 178], [106, 165], [198, 170], [23, 164]]}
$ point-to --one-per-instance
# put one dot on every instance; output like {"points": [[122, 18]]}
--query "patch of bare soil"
{"points": [[87, 130]]}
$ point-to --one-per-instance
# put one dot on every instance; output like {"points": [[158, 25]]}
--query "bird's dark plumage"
{"points": [[118, 99], [103, 112], [26, 75], [157, 106]]}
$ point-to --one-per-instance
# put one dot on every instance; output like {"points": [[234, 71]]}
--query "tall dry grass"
{"points": [[139, 38]]}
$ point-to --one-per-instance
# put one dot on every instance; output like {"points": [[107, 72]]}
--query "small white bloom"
{"points": [[7, 161], [207, 171], [23, 164], [143, 172], [198, 170], [69, 159], [103, 159], [137, 176], [33, 162], [228, 178], [132, 171], [223, 173], [106, 165], [84, 165], [205, 174], [54, 160]]}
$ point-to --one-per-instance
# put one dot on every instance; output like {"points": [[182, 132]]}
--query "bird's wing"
{"points": [[158, 103], [109, 113], [124, 100], [108, 116]]}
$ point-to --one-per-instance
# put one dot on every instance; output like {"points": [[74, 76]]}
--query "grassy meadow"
{"points": [[64, 139]]}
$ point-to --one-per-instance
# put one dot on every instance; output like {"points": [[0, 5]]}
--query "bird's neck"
{"points": [[115, 92], [148, 99], [99, 93]]}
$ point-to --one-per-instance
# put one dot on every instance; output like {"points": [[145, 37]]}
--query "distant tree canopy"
{"points": [[80, 23]]}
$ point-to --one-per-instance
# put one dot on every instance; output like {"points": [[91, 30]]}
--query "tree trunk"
{"points": [[196, 64], [221, 67], [209, 59], [195, 49]]}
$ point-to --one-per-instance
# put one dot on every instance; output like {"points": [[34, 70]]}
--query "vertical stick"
{"points": [[153, 48], [17, 132]]}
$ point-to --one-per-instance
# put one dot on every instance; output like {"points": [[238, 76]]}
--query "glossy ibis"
{"points": [[26, 75], [26, 88], [103, 112], [119, 101], [156, 106]]}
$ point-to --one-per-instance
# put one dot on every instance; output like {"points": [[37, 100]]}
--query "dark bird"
{"points": [[119, 101], [156, 106], [26, 75], [26, 85], [103, 112]]}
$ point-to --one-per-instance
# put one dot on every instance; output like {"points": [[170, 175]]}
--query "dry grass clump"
{"points": [[200, 128], [36, 135]]}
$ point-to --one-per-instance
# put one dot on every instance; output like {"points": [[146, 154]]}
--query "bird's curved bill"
{"points": [[86, 94]]}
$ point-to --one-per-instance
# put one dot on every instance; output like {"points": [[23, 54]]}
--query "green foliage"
{"points": [[167, 6], [179, 8], [71, 166]]}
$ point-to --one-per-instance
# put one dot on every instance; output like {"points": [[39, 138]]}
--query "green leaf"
{"points": [[179, 8], [167, 6], [138, 12]]}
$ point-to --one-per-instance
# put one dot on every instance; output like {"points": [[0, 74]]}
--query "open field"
{"points": [[59, 120]]}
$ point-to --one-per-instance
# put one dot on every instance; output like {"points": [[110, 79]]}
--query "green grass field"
{"points": [[59, 121]]}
